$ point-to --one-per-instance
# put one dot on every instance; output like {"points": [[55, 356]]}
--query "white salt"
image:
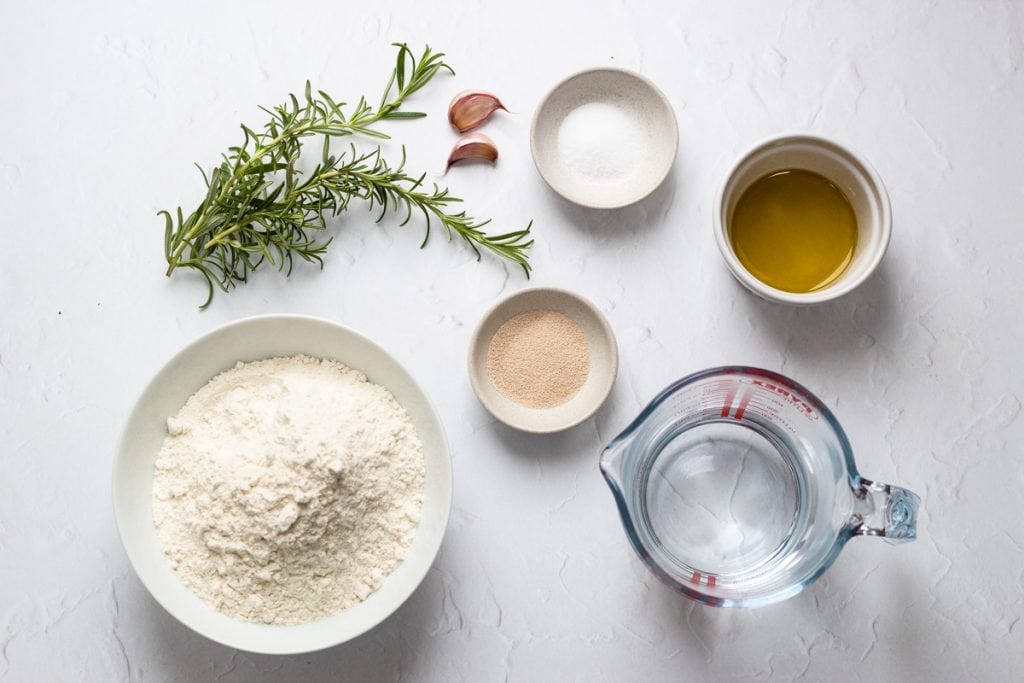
{"points": [[600, 142]]}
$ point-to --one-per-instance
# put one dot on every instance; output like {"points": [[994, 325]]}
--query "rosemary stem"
{"points": [[258, 154], [260, 207]]}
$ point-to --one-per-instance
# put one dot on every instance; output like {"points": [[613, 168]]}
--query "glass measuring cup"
{"points": [[737, 487]]}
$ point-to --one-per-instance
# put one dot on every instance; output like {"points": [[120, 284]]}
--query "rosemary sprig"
{"points": [[260, 206]]}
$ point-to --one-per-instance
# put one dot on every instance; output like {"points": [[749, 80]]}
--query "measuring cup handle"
{"points": [[884, 510]]}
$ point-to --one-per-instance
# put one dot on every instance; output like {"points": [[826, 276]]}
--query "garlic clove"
{"points": [[473, 146], [471, 108]]}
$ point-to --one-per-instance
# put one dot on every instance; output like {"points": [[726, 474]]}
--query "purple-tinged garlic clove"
{"points": [[473, 146], [471, 108]]}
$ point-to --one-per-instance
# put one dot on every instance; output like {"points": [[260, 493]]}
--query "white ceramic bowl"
{"points": [[850, 172], [252, 339], [639, 103], [604, 360]]}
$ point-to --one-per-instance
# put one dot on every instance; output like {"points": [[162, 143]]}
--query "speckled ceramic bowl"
{"points": [[604, 360], [653, 139], [252, 339]]}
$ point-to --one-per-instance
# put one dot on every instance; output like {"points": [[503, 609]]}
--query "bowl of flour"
{"points": [[282, 485]]}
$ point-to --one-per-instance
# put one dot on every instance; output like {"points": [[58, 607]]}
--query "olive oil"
{"points": [[794, 230]]}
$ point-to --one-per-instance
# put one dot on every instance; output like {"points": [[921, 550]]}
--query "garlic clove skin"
{"points": [[473, 146], [471, 108]]}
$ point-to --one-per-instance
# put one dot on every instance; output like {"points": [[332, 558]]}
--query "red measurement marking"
{"points": [[695, 578], [743, 404], [711, 582], [728, 400], [802, 405]]}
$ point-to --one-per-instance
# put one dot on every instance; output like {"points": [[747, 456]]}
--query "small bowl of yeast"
{"points": [[543, 360]]}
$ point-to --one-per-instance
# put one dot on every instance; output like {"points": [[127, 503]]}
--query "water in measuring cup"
{"points": [[723, 498]]}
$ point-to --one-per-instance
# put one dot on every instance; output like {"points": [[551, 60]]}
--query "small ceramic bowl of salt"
{"points": [[604, 138]]}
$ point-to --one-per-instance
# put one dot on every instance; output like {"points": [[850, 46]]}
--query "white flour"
{"points": [[287, 489]]}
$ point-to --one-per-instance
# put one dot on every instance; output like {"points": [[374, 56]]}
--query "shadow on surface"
{"points": [[845, 608], [841, 328], [584, 440], [391, 651], [622, 223]]}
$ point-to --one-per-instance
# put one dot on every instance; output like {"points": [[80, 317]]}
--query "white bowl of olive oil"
{"points": [[801, 219]]}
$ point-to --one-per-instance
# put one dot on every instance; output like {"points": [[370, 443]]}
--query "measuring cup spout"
{"points": [[613, 468], [884, 510], [611, 462]]}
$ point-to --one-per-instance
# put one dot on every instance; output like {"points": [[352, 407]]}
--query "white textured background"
{"points": [[103, 109]]}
